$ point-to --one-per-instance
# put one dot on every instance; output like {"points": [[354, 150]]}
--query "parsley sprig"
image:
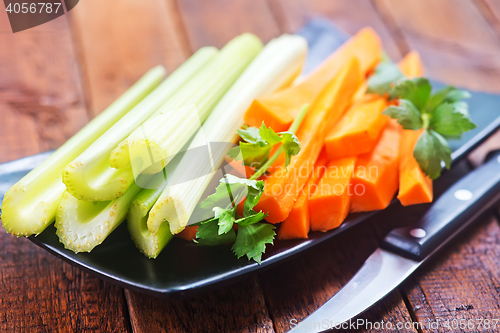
{"points": [[442, 114], [253, 234]]}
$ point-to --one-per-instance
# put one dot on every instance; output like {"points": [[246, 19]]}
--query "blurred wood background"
{"points": [[55, 77]]}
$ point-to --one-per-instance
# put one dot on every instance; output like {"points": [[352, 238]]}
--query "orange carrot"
{"points": [[329, 206], [415, 187], [282, 188], [376, 176], [297, 224], [238, 168], [189, 233], [411, 65], [278, 110], [358, 131]]}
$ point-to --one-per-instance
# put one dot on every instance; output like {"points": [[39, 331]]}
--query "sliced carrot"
{"points": [[189, 233], [358, 131], [376, 176], [411, 65], [415, 187], [297, 224], [329, 206], [239, 168], [279, 109], [282, 188]]}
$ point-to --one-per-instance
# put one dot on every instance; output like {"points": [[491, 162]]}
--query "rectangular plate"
{"points": [[183, 267]]}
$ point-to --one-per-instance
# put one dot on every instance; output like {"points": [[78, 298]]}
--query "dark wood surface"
{"points": [[55, 77]]}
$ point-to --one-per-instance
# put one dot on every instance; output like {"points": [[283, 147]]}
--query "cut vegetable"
{"points": [[411, 65], [329, 206], [415, 187], [358, 131], [279, 109], [89, 177], [375, 181], [282, 188], [277, 65], [297, 224], [82, 225], [161, 137], [30, 205]]}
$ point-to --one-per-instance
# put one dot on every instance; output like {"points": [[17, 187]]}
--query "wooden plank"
{"points": [[40, 95], [237, 308], [491, 11], [216, 22], [295, 289], [118, 43], [462, 284], [348, 15], [41, 106], [455, 41]]}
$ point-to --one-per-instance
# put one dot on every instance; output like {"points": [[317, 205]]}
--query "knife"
{"points": [[403, 250]]}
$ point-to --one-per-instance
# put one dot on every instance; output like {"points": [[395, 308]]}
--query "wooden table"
{"points": [[55, 77]]}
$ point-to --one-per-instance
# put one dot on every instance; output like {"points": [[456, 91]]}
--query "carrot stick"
{"points": [[189, 233], [297, 224], [415, 187], [411, 65], [281, 187], [329, 206], [376, 176], [358, 131], [238, 168], [279, 109]]}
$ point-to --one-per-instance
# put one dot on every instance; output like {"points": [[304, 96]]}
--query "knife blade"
{"points": [[403, 250]]}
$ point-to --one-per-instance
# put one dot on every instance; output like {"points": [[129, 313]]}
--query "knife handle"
{"points": [[453, 211]]}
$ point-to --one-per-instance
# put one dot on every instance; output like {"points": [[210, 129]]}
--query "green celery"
{"points": [[30, 205], [279, 62], [148, 243], [82, 225], [89, 176], [162, 136]]}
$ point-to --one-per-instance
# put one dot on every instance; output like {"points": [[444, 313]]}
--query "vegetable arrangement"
{"points": [[289, 157]]}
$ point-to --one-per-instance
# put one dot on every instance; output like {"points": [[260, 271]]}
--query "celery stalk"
{"points": [[279, 63], [148, 243], [89, 176], [82, 225], [162, 136], [30, 205]]}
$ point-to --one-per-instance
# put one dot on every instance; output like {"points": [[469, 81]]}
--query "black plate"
{"points": [[183, 267]]}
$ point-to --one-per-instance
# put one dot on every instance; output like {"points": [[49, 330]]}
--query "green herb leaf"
{"points": [[451, 120], [447, 94], [268, 135], [252, 239], [290, 144], [258, 143], [208, 234], [430, 151], [384, 80], [417, 91], [250, 135], [252, 198], [251, 219], [225, 193], [406, 114]]}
